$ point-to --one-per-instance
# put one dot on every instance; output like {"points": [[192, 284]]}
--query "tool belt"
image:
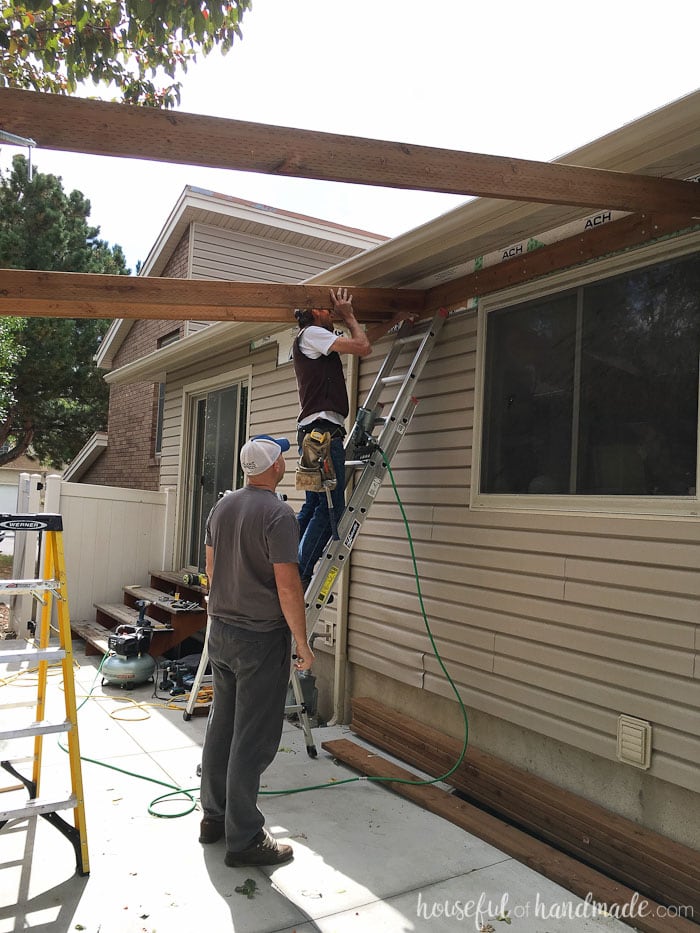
{"points": [[315, 472], [320, 424]]}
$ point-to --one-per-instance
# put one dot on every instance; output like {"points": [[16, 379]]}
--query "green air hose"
{"points": [[188, 793], [393, 780]]}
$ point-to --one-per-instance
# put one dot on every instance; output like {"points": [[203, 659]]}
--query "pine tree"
{"points": [[52, 397]]}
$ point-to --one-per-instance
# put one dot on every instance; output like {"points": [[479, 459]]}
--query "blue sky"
{"points": [[508, 78]]}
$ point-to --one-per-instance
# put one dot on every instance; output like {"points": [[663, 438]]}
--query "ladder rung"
{"points": [[21, 587], [37, 806], [393, 380], [355, 464], [21, 704], [32, 654], [36, 728], [19, 761]]}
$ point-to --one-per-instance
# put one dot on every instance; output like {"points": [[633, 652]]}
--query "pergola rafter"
{"points": [[659, 206], [101, 128]]}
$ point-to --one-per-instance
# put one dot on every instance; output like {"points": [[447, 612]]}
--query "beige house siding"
{"points": [[554, 622], [224, 254]]}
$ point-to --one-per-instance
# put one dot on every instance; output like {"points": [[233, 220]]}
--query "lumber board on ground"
{"points": [[648, 862], [566, 871]]}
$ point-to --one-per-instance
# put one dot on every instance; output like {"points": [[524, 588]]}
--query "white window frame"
{"points": [[190, 394], [595, 271]]}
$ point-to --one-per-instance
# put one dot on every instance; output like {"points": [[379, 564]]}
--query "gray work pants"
{"points": [[250, 675]]}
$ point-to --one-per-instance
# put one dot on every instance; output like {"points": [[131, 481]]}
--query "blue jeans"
{"points": [[314, 520], [250, 673]]}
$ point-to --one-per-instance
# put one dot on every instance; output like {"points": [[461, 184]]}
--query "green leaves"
{"points": [[249, 887], [54, 46]]}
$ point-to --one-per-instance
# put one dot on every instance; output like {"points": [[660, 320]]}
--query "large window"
{"points": [[594, 391]]}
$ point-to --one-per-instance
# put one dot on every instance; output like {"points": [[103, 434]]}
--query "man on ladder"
{"points": [[324, 407]]}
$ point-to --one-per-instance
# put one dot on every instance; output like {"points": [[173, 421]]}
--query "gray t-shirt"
{"points": [[250, 530]]}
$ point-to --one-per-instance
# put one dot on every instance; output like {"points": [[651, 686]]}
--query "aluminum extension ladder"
{"points": [[52, 585], [363, 451]]}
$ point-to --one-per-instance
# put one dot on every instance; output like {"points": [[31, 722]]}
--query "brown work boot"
{"points": [[263, 850], [210, 831]]}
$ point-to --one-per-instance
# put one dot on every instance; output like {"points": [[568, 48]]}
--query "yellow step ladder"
{"points": [[52, 585]]}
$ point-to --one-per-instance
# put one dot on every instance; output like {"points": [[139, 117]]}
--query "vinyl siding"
{"points": [[223, 254], [554, 622]]}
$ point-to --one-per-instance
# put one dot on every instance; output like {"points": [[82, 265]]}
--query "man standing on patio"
{"points": [[256, 606]]}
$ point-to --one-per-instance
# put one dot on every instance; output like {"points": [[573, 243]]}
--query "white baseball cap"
{"points": [[260, 452]]}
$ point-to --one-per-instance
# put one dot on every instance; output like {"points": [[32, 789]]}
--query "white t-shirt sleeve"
{"points": [[317, 341]]}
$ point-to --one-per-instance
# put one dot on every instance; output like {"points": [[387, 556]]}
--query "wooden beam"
{"points": [[101, 128], [572, 251], [31, 293], [633, 855], [28, 293], [568, 872]]}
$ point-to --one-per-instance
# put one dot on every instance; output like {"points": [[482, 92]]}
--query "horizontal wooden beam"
{"points": [[627, 232], [29, 293], [101, 128]]}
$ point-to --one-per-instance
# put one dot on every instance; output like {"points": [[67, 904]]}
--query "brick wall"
{"points": [[129, 459]]}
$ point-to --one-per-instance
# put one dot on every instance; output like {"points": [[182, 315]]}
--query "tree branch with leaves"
{"points": [[134, 45]]}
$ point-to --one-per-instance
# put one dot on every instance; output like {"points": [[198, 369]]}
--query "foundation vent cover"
{"points": [[634, 741]]}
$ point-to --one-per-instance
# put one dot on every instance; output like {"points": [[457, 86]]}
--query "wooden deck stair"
{"points": [[177, 611]]}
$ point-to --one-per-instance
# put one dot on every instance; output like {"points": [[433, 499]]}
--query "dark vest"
{"points": [[321, 382]]}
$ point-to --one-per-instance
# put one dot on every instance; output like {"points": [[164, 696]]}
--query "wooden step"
{"points": [[163, 601], [93, 634], [172, 581], [119, 614], [108, 616], [184, 621], [166, 633]]}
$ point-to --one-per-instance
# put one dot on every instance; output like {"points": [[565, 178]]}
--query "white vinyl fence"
{"points": [[111, 537]]}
